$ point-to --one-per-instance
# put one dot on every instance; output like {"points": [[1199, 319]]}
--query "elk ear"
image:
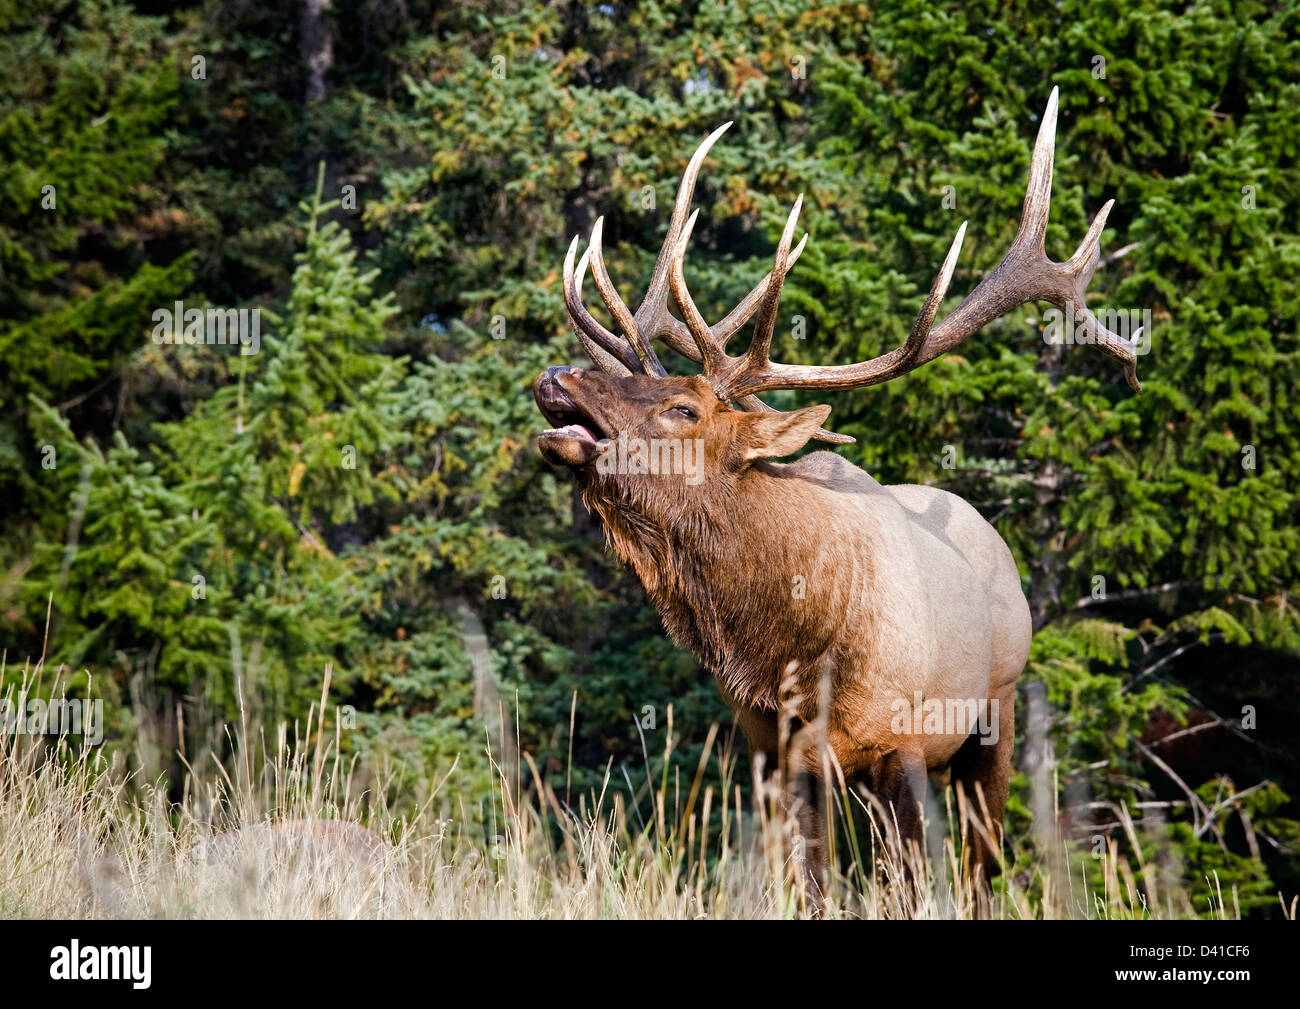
{"points": [[773, 435]]}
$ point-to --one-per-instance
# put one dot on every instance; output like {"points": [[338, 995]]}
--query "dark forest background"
{"points": [[393, 186]]}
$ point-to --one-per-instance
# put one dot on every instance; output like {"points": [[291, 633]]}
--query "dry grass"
{"points": [[278, 834]]}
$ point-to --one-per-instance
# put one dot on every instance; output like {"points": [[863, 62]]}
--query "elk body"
{"points": [[894, 607]]}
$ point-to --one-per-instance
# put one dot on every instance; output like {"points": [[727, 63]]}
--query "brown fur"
{"points": [[881, 592]]}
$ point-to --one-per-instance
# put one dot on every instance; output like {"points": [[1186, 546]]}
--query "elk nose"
{"points": [[546, 380], [549, 393], [550, 378]]}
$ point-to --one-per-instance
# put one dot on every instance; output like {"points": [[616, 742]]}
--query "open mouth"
{"points": [[569, 419], [573, 424]]}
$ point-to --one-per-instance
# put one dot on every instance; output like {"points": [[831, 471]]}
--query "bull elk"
{"points": [[908, 595]]}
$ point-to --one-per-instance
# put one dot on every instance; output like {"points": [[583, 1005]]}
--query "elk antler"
{"points": [[652, 320], [1023, 275]]}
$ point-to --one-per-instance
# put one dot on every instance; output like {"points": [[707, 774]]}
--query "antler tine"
{"points": [[925, 318], [717, 335], [652, 316], [1023, 275], [1083, 264], [1038, 190], [709, 354], [738, 316], [610, 354], [761, 347], [617, 308], [711, 341]]}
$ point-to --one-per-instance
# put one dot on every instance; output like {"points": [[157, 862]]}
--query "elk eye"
{"points": [[683, 410]]}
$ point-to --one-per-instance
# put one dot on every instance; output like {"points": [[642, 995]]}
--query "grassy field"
{"points": [[282, 830]]}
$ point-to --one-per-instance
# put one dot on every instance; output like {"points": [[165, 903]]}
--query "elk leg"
{"points": [[898, 781], [804, 841], [807, 854], [980, 769]]}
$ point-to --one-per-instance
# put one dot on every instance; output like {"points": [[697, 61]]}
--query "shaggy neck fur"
{"points": [[735, 574]]}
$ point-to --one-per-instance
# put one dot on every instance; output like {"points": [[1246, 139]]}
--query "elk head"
{"points": [[630, 395]]}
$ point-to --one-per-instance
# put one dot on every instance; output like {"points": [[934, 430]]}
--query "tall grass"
{"points": [[281, 829]]}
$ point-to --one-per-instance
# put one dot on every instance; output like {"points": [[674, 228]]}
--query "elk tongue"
{"points": [[576, 431]]}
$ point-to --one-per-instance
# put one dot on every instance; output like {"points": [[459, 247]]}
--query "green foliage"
{"points": [[85, 93], [201, 564]]}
